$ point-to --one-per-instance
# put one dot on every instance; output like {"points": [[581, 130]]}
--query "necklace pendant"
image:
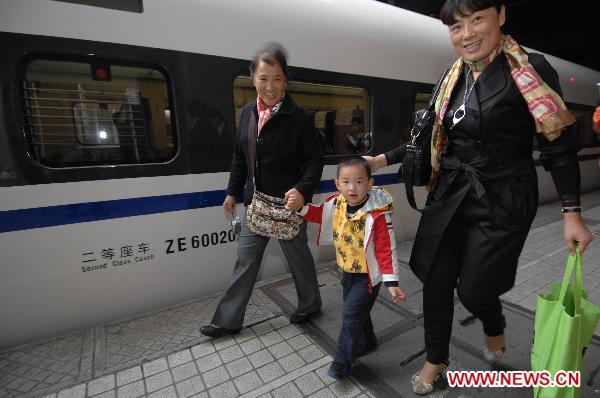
{"points": [[459, 114]]}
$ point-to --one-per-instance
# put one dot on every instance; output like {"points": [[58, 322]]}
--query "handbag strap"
{"points": [[437, 88], [409, 170], [408, 181], [252, 146]]}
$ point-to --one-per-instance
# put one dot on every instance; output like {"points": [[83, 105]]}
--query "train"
{"points": [[116, 133]]}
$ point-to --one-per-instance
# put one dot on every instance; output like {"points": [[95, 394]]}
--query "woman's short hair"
{"points": [[451, 8], [270, 53]]}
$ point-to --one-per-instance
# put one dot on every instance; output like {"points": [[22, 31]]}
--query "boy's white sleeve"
{"points": [[304, 210], [312, 213]]}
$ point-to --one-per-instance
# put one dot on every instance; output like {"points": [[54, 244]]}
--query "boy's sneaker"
{"points": [[338, 371]]}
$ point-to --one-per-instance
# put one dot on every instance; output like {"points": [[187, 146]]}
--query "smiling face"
{"points": [[475, 36], [269, 81], [354, 183]]}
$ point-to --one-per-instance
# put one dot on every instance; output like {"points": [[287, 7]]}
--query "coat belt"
{"points": [[454, 166]]}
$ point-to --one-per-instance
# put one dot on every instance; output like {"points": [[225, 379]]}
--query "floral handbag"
{"points": [[267, 214]]}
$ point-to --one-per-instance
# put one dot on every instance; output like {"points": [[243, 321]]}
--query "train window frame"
{"points": [[172, 147], [121, 5], [367, 110]]}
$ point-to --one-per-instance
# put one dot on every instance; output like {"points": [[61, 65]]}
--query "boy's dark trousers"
{"points": [[357, 329]]}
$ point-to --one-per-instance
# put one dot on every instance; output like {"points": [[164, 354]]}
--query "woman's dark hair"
{"points": [[354, 160], [270, 53], [451, 8]]}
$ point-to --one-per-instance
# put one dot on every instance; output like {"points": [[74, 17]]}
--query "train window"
{"points": [[79, 114], [340, 113]]}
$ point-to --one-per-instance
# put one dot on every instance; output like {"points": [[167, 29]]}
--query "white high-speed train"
{"points": [[116, 132]]}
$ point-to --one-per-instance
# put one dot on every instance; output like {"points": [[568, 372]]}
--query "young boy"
{"points": [[358, 222]]}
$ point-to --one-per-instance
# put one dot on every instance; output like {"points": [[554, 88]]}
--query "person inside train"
{"points": [[290, 165], [483, 188], [358, 141], [357, 220]]}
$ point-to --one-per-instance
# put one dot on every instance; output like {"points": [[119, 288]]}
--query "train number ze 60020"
{"points": [[214, 238]]}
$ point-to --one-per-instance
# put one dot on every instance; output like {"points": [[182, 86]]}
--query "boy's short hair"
{"points": [[354, 160]]}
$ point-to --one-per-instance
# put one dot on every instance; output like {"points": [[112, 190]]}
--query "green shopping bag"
{"points": [[564, 325]]}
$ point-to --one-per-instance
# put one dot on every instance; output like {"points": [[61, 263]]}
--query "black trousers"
{"points": [[472, 255]]}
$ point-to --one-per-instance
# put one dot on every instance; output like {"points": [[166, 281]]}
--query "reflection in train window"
{"points": [[78, 114], [340, 113]]}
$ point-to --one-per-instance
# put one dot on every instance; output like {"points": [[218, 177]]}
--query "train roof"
{"points": [[362, 37]]}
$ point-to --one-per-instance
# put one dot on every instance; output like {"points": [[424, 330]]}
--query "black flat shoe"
{"points": [[214, 331], [300, 318]]}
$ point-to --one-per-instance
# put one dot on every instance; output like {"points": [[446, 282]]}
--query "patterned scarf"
{"points": [[265, 112], [547, 108]]}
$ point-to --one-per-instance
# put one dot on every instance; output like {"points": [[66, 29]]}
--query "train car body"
{"points": [[116, 132]]}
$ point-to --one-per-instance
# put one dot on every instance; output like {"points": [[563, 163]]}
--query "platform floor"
{"points": [[161, 354]]}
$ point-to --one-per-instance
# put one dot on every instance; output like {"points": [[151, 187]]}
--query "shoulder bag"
{"points": [[267, 215], [416, 165]]}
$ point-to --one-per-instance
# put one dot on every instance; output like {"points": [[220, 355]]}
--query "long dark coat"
{"points": [[288, 153], [490, 170]]}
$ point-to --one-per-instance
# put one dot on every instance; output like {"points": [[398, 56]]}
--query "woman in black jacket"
{"points": [[288, 164], [484, 190]]}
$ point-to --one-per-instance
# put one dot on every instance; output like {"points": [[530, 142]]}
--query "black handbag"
{"points": [[416, 165]]}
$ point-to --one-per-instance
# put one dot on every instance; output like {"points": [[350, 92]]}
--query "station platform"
{"points": [[162, 354]]}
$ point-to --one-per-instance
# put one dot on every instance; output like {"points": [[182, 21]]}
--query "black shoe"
{"points": [[300, 318], [215, 331]]}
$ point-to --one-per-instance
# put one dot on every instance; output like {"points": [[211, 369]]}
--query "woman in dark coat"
{"points": [[288, 164], [483, 189]]}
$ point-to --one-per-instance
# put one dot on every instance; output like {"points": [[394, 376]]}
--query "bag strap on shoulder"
{"points": [[436, 89], [408, 169], [252, 146]]}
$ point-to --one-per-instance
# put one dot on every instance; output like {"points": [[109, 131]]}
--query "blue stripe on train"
{"points": [[50, 216]]}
